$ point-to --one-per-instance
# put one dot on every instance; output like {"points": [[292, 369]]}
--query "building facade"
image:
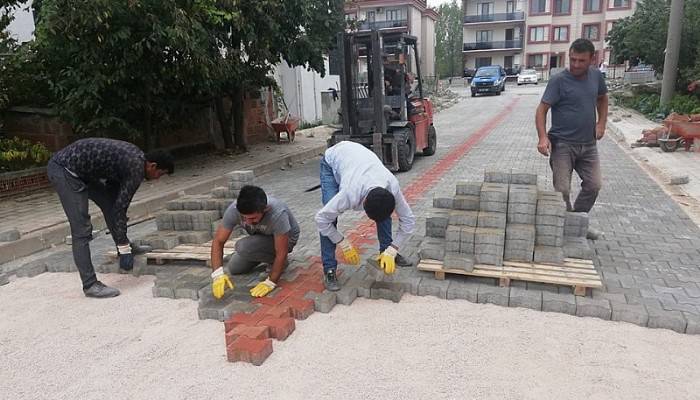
{"points": [[537, 33], [411, 16]]}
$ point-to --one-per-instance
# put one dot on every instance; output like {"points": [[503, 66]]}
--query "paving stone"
{"points": [[489, 259], [577, 247], [202, 220], [549, 195], [525, 298], [659, 318], [597, 308], [494, 192], [524, 232], [4, 279], [557, 302], [182, 220], [432, 252], [193, 202], [164, 221], [523, 178], [491, 220], [463, 218], [254, 351], [576, 219], [542, 287], [528, 210], [363, 287], [548, 255], [241, 176], [493, 176], [550, 220], [636, 314], [387, 290], [523, 194], [237, 185], [510, 254], [693, 323], [435, 232], [468, 203], [162, 240], [549, 230], [493, 206], [575, 231], [31, 269], [194, 237], [443, 202], [462, 290], [219, 192], [346, 295], [551, 208], [467, 240], [550, 241], [453, 233], [438, 219], [459, 261], [189, 287], [431, 287], [465, 188], [323, 302], [490, 236], [9, 235], [493, 294]]}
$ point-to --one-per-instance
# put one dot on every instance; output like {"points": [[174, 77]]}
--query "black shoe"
{"points": [[100, 290], [401, 261], [331, 281], [140, 249]]}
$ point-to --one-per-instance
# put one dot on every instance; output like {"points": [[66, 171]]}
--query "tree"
{"points": [[448, 34]]}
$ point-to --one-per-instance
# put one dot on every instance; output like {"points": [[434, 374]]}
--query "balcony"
{"points": [[500, 45], [499, 17], [399, 23]]}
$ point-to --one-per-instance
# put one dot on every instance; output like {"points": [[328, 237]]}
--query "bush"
{"points": [[18, 154], [648, 104]]}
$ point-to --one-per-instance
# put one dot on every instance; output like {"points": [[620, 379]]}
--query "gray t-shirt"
{"points": [[278, 220], [573, 103]]}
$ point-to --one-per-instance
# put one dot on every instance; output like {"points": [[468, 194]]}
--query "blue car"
{"points": [[491, 79]]}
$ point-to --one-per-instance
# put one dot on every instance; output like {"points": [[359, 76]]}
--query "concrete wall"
{"points": [[302, 90], [428, 43], [330, 107]]}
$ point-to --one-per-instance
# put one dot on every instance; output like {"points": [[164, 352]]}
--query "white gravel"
{"points": [[56, 344]]}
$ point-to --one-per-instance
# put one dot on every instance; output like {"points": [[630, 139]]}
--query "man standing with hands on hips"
{"points": [[576, 96]]}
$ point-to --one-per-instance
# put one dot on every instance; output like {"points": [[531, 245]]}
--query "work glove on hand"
{"points": [[126, 259], [387, 260], [219, 283], [349, 252], [263, 288]]}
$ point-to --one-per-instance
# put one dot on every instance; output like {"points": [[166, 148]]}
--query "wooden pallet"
{"points": [[187, 252], [578, 273]]}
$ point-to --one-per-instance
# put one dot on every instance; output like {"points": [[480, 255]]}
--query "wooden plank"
{"points": [[579, 290], [576, 266]]}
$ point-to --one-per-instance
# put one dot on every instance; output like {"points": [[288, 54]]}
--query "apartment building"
{"points": [[493, 33], [411, 16]]}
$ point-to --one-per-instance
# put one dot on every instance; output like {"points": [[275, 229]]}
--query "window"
{"points": [[538, 34], [483, 62], [484, 36], [510, 6], [591, 32], [560, 34], [508, 62], [538, 6], [392, 15], [370, 16], [535, 60], [619, 3], [591, 5], [484, 8], [562, 6]]}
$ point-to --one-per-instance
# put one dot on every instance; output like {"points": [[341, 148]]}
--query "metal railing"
{"points": [[399, 23], [511, 16], [503, 44]]}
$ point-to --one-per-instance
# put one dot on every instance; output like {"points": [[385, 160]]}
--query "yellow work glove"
{"points": [[349, 252], [219, 283], [387, 260], [263, 288]]}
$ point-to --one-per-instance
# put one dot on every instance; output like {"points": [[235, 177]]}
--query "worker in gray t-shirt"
{"points": [[576, 96], [272, 234]]}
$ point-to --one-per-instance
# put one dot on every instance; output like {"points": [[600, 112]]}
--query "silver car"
{"points": [[528, 76]]}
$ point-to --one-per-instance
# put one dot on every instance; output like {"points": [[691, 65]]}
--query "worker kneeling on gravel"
{"points": [[273, 233], [354, 178]]}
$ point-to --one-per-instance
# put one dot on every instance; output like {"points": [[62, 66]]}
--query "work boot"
{"points": [[137, 249], [331, 281], [593, 234], [401, 261], [100, 290]]}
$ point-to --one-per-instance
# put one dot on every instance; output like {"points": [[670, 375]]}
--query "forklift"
{"points": [[379, 107]]}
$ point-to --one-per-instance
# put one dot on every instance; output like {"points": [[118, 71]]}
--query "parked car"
{"points": [[468, 73], [528, 76], [491, 79]]}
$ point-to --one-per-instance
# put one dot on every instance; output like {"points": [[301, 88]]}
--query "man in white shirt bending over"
{"points": [[354, 178]]}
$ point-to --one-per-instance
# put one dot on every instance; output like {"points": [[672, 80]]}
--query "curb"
{"points": [[141, 210]]}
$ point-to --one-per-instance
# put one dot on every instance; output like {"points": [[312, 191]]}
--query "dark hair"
{"points": [[582, 46], [163, 159], [379, 204], [251, 199]]}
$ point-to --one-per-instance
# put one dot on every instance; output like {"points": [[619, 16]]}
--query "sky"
{"points": [[436, 3]]}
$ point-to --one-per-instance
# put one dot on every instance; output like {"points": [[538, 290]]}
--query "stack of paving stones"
{"points": [[503, 218]]}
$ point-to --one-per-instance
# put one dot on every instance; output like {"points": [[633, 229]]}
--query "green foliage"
{"points": [[18, 154], [648, 104], [448, 35]]}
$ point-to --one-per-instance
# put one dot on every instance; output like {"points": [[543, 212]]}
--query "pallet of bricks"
{"points": [[186, 227], [506, 228]]}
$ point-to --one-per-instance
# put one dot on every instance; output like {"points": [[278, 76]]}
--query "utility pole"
{"points": [[673, 44]]}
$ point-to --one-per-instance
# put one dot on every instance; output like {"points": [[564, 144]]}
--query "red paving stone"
{"points": [[254, 351], [251, 332]]}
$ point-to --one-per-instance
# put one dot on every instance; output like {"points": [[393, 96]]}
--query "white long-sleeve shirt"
{"points": [[357, 171]]}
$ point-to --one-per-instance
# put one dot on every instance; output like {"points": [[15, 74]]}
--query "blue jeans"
{"points": [[329, 188]]}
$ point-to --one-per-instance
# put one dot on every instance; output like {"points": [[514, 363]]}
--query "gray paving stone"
{"points": [[467, 203], [241, 176], [547, 240], [432, 252], [4, 279], [465, 188], [463, 218], [549, 220], [459, 261], [635, 314], [597, 308], [520, 245], [528, 209], [9, 235], [523, 194], [438, 219], [543, 287], [549, 195], [452, 247], [323, 302], [494, 192], [489, 259], [194, 237], [164, 221], [491, 236], [453, 233], [577, 247], [431, 287], [162, 240], [693, 324], [462, 290], [387, 290], [561, 303], [548, 255], [443, 202], [517, 255], [549, 230], [363, 287], [551, 208], [673, 320], [182, 220], [524, 298], [493, 206], [202, 220], [32, 269], [493, 294], [189, 289], [519, 218], [467, 239], [346, 295], [523, 178], [435, 232], [493, 176], [520, 232]]}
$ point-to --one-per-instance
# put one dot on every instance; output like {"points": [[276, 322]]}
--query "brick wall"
{"points": [[22, 181]]}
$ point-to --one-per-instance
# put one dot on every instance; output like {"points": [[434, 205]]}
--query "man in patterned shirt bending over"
{"points": [[108, 172]]}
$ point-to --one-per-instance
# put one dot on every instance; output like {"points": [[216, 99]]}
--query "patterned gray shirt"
{"points": [[114, 161]]}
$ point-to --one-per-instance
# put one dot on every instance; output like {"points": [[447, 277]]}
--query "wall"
{"points": [[428, 43], [302, 90]]}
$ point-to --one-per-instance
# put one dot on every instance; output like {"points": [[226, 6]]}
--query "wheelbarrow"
{"points": [[286, 124], [682, 130]]}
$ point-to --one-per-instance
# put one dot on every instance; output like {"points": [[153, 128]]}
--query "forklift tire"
{"points": [[407, 151], [432, 142], [473, 94], [498, 93]]}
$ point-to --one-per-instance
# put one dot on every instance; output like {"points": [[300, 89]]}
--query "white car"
{"points": [[527, 76]]}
